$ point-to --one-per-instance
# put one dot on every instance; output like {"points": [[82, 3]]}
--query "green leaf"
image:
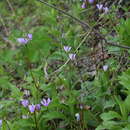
{"points": [[109, 125], [53, 115], [110, 115]]}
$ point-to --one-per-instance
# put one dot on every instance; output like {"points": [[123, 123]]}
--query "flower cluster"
{"points": [[32, 108], [102, 8], [25, 40], [71, 55], [99, 6]]}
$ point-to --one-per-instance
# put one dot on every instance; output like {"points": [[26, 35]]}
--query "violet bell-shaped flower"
{"points": [[25, 102], [67, 48], [37, 107], [105, 67], [99, 6], [31, 108], [25, 40], [91, 1], [22, 40], [83, 5], [45, 102], [105, 10], [72, 56], [29, 36]]}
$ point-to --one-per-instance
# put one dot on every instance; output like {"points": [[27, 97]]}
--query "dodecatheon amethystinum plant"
{"points": [[31, 108], [45, 102], [25, 40], [72, 56], [25, 102], [67, 48]]}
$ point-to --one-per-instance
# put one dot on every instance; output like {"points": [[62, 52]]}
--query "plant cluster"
{"points": [[64, 73]]}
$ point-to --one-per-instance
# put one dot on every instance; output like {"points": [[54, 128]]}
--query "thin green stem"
{"points": [[35, 119]]}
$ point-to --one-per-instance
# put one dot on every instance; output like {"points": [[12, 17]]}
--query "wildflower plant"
{"points": [[69, 72]]}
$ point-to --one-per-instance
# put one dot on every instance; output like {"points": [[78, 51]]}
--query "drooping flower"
{"points": [[45, 102], [29, 36], [77, 115], [91, 1], [105, 10], [22, 40], [25, 40], [25, 102], [105, 67], [31, 108], [72, 56], [37, 107], [99, 6], [0, 123], [83, 5], [67, 48]]}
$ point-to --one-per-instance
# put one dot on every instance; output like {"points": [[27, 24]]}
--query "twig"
{"points": [[83, 24]]}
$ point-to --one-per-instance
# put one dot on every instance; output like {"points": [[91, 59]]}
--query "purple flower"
{"points": [[25, 102], [22, 40], [83, 5], [0, 123], [67, 48], [105, 9], [31, 108], [29, 36], [45, 102], [99, 6], [90, 1], [72, 56], [105, 67], [37, 107], [25, 40]]}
